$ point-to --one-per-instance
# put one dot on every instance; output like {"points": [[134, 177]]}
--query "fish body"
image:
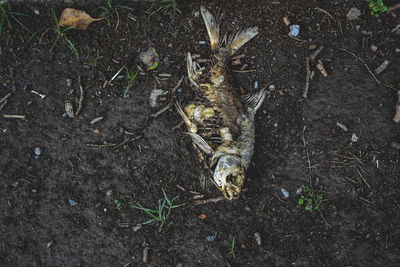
{"points": [[221, 121]]}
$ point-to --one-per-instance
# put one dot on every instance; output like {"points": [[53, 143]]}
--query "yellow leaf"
{"points": [[77, 18]]}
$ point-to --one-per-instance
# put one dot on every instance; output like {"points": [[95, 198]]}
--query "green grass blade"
{"points": [[17, 13], [54, 43], [20, 23], [72, 46], [3, 15], [56, 20]]}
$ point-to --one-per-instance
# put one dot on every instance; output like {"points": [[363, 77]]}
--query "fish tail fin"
{"points": [[237, 39], [212, 27]]}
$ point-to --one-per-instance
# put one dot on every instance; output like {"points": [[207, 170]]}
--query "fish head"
{"points": [[229, 175]]}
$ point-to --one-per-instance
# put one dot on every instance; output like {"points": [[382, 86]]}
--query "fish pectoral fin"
{"points": [[192, 128], [255, 99], [201, 143], [212, 27], [193, 70], [237, 39]]}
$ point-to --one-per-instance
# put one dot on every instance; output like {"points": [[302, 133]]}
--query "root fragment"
{"points": [[396, 117], [305, 92]]}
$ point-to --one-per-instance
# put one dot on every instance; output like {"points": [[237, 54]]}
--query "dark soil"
{"points": [[130, 156]]}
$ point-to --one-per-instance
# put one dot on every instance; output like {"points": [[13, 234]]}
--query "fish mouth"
{"points": [[229, 176]]}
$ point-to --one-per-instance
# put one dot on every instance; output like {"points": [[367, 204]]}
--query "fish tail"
{"points": [[237, 39], [212, 27]]}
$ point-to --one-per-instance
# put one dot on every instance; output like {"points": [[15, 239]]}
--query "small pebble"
{"points": [[97, 93], [298, 191], [65, 115], [36, 11], [397, 50], [256, 85], [15, 184], [179, 90], [72, 202], [37, 157], [34, 191], [29, 102], [354, 138], [30, 168], [165, 59], [358, 27], [202, 42], [109, 193], [294, 30], [37, 151], [275, 124], [247, 208], [121, 129], [285, 192], [210, 238], [366, 32], [13, 88], [69, 82], [233, 23], [353, 14]]}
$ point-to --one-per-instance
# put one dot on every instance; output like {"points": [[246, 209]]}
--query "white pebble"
{"points": [[354, 138], [285, 192]]}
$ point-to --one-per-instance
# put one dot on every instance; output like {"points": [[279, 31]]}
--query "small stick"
{"points": [[5, 98], [161, 111], [146, 254], [316, 53], [211, 200], [238, 57], [243, 71], [396, 117], [4, 104], [103, 145], [116, 74], [365, 64], [395, 28], [395, 145], [178, 125], [382, 67], [164, 75], [7, 116], [320, 67], [96, 120], [324, 11], [305, 92], [80, 97], [342, 126], [392, 8], [204, 60], [178, 84], [42, 96]]}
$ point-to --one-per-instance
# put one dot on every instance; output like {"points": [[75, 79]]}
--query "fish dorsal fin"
{"points": [[212, 27], [255, 99], [201, 143], [237, 39]]}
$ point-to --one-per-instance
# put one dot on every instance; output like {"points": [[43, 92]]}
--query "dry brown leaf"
{"points": [[75, 17]]}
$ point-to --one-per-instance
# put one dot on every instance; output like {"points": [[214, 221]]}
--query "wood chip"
{"points": [[382, 67], [95, 120], [258, 238], [286, 21], [396, 117], [314, 54], [146, 254], [321, 68], [342, 126]]}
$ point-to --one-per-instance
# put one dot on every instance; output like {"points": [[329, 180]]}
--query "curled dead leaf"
{"points": [[79, 19]]}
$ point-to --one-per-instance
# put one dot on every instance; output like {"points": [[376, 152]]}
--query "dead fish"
{"points": [[221, 123]]}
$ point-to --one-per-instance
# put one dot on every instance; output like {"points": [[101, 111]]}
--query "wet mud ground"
{"points": [[62, 207]]}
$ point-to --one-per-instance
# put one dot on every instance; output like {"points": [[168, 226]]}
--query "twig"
{"points": [[128, 140], [7, 116], [42, 96], [316, 53], [326, 12], [211, 200], [342, 126], [395, 28], [4, 104], [146, 254], [5, 98], [178, 125], [95, 120], [365, 64], [305, 92], [116, 74], [103, 145], [161, 111], [392, 8], [116, 26], [243, 71], [178, 84], [382, 66], [396, 117], [80, 97], [321, 68]]}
